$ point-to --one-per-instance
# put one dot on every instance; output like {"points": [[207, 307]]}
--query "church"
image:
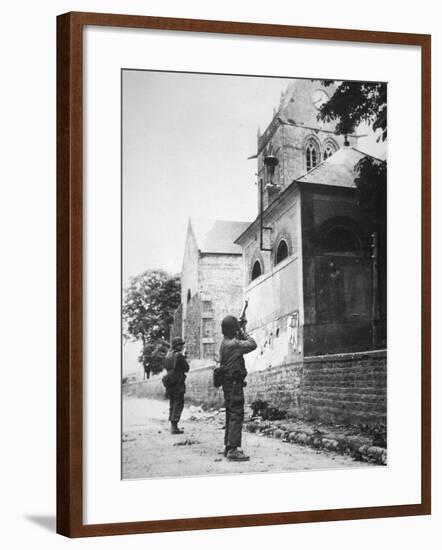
{"points": [[307, 264], [211, 285]]}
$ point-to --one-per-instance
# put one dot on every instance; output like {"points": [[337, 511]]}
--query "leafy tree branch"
{"points": [[149, 302], [354, 103]]}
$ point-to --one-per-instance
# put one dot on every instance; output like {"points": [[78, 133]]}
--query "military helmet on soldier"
{"points": [[229, 325], [177, 342]]}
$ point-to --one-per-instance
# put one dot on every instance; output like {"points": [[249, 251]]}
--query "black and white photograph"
{"points": [[220, 236], [254, 274]]}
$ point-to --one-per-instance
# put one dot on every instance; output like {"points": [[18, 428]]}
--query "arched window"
{"points": [[189, 296], [311, 154], [256, 271], [329, 150], [282, 252], [340, 239]]}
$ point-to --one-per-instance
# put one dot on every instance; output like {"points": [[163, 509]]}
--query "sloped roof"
{"points": [[217, 236], [337, 170]]}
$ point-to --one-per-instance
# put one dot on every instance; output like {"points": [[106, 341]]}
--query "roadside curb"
{"points": [[358, 446]]}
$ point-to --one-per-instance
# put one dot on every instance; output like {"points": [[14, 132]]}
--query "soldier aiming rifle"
{"points": [[231, 375]]}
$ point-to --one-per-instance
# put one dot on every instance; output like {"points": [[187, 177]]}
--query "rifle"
{"points": [[242, 318]]}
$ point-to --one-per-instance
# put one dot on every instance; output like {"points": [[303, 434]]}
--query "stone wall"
{"points": [[177, 325], [293, 125], [220, 281], [204, 301], [347, 388], [199, 388], [192, 327], [344, 389], [280, 386], [189, 273], [285, 223], [279, 342]]}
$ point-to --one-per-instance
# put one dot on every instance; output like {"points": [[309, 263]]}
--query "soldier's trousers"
{"points": [[176, 406], [234, 404]]}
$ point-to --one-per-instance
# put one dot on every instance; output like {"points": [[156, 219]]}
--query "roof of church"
{"points": [[217, 236], [337, 170]]}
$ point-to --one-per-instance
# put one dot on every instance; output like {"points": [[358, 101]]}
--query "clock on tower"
{"points": [[319, 97]]}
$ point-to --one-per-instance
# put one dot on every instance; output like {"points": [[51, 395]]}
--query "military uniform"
{"points": [[176, 366], [231, 359]]}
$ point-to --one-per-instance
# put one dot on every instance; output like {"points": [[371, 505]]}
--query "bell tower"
{"points": [[295, 141]]}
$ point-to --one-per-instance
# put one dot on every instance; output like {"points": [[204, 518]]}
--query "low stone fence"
{"points": [[152, 387], [344, 388], [348, 388], [199, 388]]}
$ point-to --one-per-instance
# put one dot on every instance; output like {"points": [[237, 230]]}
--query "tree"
{"points": [[352, 104], [149, 302], [371, 191]]}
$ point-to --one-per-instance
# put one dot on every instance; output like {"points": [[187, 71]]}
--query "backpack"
{"points": [[218, 376], [169, 379]]}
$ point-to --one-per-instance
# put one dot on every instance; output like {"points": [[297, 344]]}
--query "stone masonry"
{"points": [[210, 257], [345, 388]]}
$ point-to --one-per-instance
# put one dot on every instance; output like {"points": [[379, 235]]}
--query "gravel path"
{"points": [[149, 450]]}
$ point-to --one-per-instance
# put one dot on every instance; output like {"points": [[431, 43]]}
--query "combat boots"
{"points": [[174, 428], [237, 455]]}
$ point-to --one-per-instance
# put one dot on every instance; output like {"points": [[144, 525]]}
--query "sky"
{"points": [[186, 140]]}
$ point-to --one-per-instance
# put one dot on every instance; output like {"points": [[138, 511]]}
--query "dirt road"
{"points": [[149, 450]]}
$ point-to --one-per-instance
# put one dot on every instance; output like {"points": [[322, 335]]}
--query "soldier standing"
{"points": [[176, 366], [235, 345]]}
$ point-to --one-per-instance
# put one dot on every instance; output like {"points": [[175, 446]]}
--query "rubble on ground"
{"points": [[188, 441], [363, 443]]}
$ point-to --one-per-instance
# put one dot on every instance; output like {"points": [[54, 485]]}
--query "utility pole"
{"points": [[261, 219]]}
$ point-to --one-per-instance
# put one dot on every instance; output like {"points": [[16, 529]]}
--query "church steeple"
{"points": [[295, 137]]}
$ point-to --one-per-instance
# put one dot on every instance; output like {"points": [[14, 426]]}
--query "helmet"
{"points": [[229, 325], [176, 342]]}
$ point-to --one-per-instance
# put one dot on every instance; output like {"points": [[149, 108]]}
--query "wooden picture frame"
{"points": [[70, 268]]}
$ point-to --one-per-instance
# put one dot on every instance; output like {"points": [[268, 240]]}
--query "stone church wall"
{"points": [[338, 285], [189, 274], [177, 325], [286, 137], [288, 144], [275, 314], [220, 281], [192, 327], [219, 293], [347, 388], [285, 224]]}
